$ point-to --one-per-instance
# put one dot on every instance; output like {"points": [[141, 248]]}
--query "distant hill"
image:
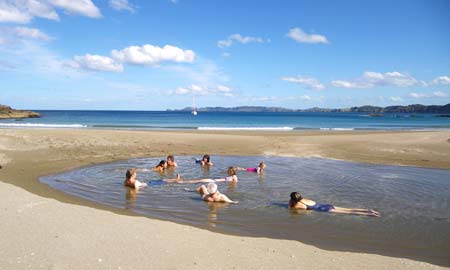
{"points": [[415, 108], [8, 112]]}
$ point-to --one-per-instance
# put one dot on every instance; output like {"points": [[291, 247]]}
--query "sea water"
{"points": [[162, 120], [414, 202]]}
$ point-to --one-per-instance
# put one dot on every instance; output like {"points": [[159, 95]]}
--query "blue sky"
{"points": [[158, 54]]}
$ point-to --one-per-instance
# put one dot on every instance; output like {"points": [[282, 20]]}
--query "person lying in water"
{"points": [[259, 169], [205, 161], [231, 178], [210, 193], [300, 203], [131, 181]]}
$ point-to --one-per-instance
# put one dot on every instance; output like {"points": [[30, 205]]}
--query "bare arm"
{"points": [[224, 198], [195, 181]]}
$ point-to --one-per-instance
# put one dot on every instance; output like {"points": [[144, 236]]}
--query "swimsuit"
{"points": [[320, 207], [156, 182], [229, 179]]}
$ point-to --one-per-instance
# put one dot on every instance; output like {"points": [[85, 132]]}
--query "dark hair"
{"points": [[207, 158], [170, 157], [161, 163], [296, 197], [129, 173]]}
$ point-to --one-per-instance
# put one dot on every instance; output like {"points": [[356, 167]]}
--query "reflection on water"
{"points": [[414, 202]]}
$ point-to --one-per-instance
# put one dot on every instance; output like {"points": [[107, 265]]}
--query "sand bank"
{"points": [[44, 227]]}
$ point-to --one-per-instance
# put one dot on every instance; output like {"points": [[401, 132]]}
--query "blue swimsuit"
{"points": [[320, 207], [156, 182]]}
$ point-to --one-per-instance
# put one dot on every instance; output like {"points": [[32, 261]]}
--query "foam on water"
{"points": [[414, 202], [34, 125]]}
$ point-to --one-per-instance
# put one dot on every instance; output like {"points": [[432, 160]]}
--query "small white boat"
{"points": [[194, 111]]}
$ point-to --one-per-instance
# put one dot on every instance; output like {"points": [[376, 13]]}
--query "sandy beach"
{"points": [[43, 228]]}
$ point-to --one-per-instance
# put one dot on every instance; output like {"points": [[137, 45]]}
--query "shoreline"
{"points": [[56, 150]]}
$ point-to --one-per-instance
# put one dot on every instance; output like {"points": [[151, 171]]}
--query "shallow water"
{"points": [[414, 202]]}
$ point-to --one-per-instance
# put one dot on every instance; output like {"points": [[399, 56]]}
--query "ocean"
{"points": [[171, 120]]}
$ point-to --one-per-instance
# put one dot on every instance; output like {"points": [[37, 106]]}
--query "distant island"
{"points": [[415, 108], [7, 112]]}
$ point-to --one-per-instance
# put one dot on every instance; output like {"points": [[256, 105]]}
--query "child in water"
{"points": [[131, 181], [205, 161], [171, 161], [258, 170]]}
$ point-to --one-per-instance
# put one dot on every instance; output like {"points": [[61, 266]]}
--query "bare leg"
{"points": [[355, 211], [178, 179]]}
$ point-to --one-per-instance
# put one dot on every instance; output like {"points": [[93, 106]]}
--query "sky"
{"points": [[159, 54]]}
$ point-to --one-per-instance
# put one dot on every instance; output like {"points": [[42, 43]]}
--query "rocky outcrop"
{"points": [[7, 112]]}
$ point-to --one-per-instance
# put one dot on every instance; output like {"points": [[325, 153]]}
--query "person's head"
{"points": [[296, 197], [130, 173], [206, 158], [162, 164], [231, 171], [211, 188], [262, 165], [170, 160]]}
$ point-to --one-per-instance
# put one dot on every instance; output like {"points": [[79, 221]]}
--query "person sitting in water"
{"points": [[210, 193], [259, 169], [231, 178], [300, 203], [171, 161], [131, 181], [162, 165], [205, 161]]}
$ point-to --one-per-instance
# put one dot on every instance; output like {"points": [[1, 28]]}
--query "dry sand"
{"points": [[44, 228]]}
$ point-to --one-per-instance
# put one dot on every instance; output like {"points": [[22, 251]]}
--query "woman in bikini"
{"points": [[299, 203]]}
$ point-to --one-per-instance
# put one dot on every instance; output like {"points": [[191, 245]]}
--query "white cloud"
{"points": [[417, 95], [238, 38], [96, 63], [203, 90], [81, 7], [310, 83], [440, 94], [305, 97], [9, 13], [121, 5], [223, 88], [299, 35], [435, 94], [441, 80], [153, 55], [33, 33], [14, 37], [371, 79], [23, 11], [396, 99], [349, 84]]}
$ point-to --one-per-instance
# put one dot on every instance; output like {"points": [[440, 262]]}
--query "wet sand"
{"points": [[45, 227]]}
